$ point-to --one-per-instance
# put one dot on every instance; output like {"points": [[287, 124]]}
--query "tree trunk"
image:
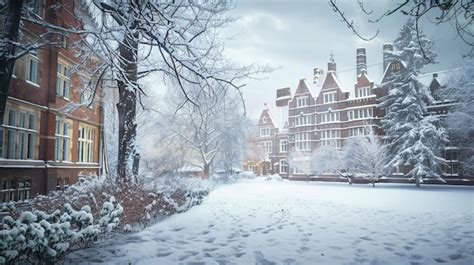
{"points": [[417, 182], [373, 183], [9, 34], [207, 168], [128, 157]]}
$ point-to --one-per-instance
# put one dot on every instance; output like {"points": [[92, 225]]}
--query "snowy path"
{"points": [[258, 222]]}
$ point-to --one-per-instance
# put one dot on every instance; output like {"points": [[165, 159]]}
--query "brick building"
{"points": [[44, 147], [330, 116]]}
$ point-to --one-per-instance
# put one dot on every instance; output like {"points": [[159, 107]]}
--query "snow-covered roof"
{"points": [[442, 76]]}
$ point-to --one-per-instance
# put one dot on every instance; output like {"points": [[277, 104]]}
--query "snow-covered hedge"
{"points": [[223, 178], [28, 233], [46, 237]]}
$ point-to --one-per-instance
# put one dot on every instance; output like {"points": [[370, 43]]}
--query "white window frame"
{"points": [[63, 79], [329, 97], [266, 147], [19, 136], [303, 141], [62, 147], [265, 132], [283, 169], [283, 145], [32, 69], [302, 101], [85, 144]]}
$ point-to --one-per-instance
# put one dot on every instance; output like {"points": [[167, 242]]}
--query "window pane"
{"points": [[32, 121], [12, 117]]}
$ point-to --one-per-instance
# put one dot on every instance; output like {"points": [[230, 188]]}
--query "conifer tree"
{"points": [[415, 137]]}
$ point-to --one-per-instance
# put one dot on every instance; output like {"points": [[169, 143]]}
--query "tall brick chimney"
{"points": [[283, 96], [386, 47], [361, 61]]}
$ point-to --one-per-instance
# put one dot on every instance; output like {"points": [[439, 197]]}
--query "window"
{"points": [[303, 120], [333, 143], [283, 146], [63, 79], [358, 131], [330, 117], [267, 147], [283, 167], [362, 92], [19, 134], [361, 114], [301, 101], [302, 142], [264, 132], [329, 97], [330, 134], [62, 148], [85, 148], [32, 75], [12, 190], [395, 67]]}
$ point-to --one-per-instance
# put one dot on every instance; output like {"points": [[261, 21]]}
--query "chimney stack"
{"points": [[331, 63], [283, 96], [361, 61], [387, 47]]}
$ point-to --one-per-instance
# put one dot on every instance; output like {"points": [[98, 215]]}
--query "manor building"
{"points": [[328, 118], [44, 143]]}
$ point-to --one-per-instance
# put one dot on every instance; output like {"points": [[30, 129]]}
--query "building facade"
{"points": [[331, 115], [45, 144]]}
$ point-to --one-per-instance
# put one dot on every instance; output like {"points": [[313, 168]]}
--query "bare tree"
{"points": [[458, 13], [176, 39], [209, 126]]}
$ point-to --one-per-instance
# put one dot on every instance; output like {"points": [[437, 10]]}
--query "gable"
{"points": [[394, 66], [266, 119]]}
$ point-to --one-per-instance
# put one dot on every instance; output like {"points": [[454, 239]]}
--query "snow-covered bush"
{"points": [[110, 214], [46, 237]]}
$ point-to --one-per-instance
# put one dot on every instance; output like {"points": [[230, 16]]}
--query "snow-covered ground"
{"points": [[273, 222]]}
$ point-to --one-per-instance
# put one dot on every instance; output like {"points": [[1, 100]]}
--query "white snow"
{"points": [[272, 222]]}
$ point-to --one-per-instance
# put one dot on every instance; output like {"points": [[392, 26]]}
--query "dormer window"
{"points": [[395, 67], [363, 92], [301, 102], [330, 97]]}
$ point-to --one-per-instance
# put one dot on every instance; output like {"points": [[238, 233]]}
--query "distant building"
{"points": [[330, 116], [43, 147]]}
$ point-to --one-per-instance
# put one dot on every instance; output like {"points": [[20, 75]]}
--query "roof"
{"points": [[302, 88]]}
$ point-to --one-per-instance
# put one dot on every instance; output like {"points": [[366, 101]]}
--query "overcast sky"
{"points": [[299, 35]]}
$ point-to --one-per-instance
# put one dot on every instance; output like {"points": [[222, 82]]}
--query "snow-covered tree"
{"points": [[326, 159], [365, 155], [416, 138], [300, 162], [178, 40], [460, 121], [204, 129]]}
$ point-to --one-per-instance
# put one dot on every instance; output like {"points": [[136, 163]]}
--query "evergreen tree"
{"points": [[416, 138]]}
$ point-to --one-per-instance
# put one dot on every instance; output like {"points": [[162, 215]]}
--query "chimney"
{"points": [[387, 47], [283, 97], [361, 62], [317, 73], [331, 63], [435, 75]]}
